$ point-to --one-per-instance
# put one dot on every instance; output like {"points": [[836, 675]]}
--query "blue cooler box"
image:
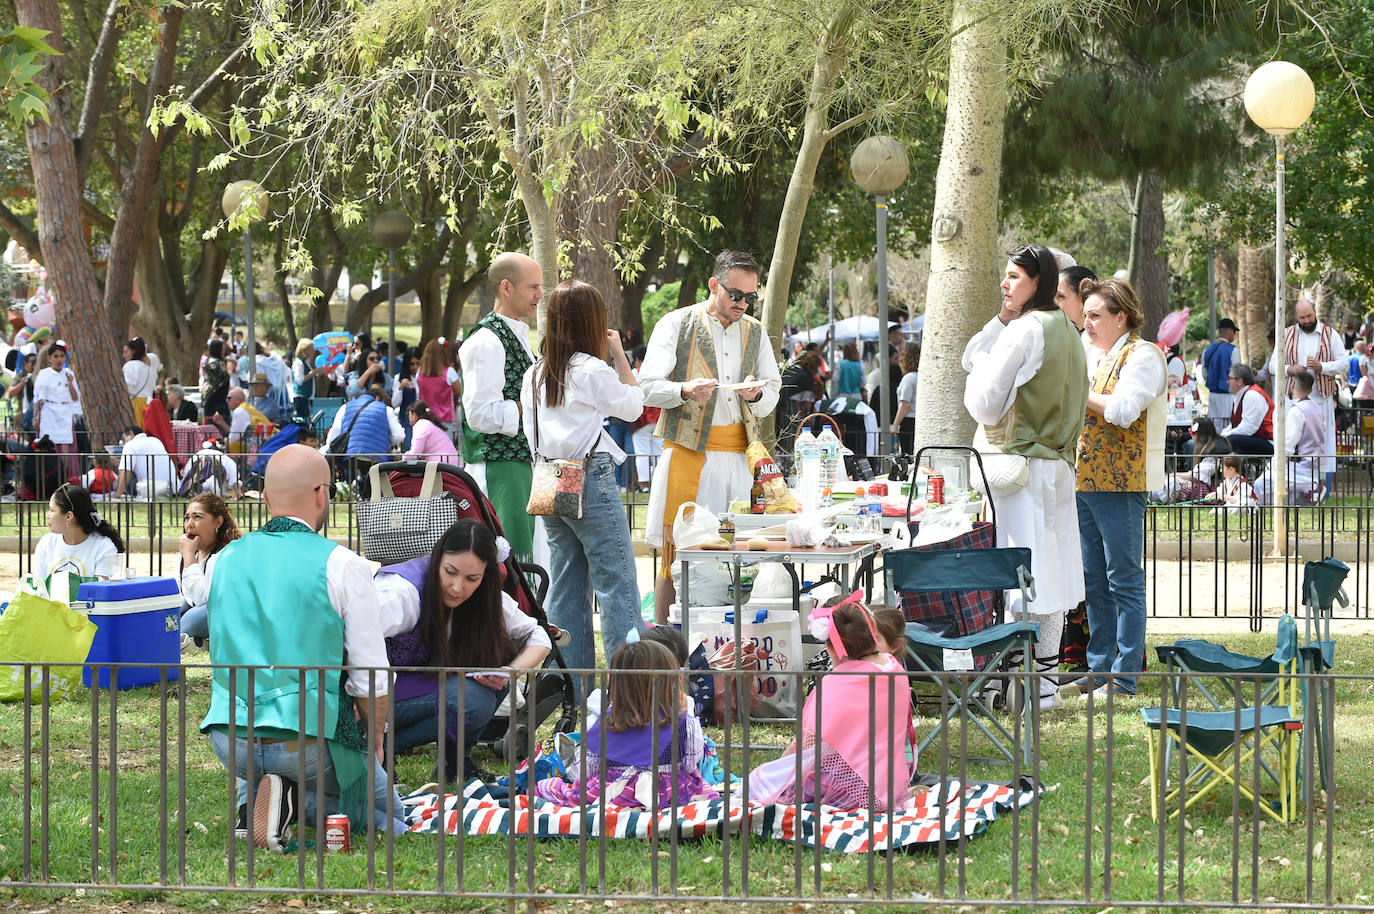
{"points": [[137, 621]]}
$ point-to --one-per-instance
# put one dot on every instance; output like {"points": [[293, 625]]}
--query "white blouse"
{"points": [[398, 609], [1142, 379], [592, 391]]}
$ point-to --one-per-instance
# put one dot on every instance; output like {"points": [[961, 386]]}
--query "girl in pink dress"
{"points": [[619, 748], [860, 767]]}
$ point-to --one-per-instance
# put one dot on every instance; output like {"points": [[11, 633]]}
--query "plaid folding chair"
{"points": [[916, 571]]}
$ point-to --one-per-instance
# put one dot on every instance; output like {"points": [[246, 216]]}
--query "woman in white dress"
{"points": [[57, 403], [1028, 387]]}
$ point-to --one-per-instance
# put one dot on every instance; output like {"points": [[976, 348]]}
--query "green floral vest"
{"points": [[478, 446]]}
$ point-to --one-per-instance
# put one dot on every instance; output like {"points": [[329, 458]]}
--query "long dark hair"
{"points": [[1206, 441], [1039, 263], [78, 501], [576, 323], [478, 636], [215, 349]]}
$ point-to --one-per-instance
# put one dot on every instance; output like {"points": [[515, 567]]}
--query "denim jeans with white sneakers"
{"points": [[594, 550], [1111, 527]]}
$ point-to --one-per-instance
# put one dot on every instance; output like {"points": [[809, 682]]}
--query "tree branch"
{"points": [[21, 231], [97, 81], [206, 90]]}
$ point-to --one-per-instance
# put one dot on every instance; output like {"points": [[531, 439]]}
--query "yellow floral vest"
{"points": [[1116, 459]]}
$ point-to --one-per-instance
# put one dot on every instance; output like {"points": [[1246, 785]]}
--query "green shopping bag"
{"points": [[36, 630]]}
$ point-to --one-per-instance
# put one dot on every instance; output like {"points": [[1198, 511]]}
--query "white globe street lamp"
{"points": [[879, 166], [1279, 98]]}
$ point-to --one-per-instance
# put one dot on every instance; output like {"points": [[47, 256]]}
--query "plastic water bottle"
{"points": [[830, 456], [860, 505], [873, 512], [809, 475]]}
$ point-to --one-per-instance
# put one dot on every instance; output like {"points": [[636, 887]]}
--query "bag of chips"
{"points": [[778, 499]]}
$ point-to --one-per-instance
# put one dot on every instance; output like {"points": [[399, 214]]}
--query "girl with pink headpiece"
{"points": [[859, 765]]}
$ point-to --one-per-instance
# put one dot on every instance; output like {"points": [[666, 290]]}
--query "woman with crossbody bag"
{"points": [[565, 398]]}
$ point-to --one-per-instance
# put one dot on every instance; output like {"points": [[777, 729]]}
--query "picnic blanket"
{"points": [[938, 809]]}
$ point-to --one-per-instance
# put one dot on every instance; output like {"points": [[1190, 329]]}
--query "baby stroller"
{"points": [[552, 689]]}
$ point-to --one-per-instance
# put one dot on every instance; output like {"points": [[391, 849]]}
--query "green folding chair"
{"points": [[1322, 589], [916, 571]]}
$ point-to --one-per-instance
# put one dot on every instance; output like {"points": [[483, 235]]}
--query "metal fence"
{"points": [[117, 790], [1200, 561]]}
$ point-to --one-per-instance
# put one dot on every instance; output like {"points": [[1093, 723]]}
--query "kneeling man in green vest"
{"points": [[284, 603]]}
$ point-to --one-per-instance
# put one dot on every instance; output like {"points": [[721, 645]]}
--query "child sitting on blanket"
{"points": [[1234, 492], [847, 700], [646, 709]]}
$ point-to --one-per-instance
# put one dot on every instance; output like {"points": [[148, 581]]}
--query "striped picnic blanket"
{"points": [[953, 808]]}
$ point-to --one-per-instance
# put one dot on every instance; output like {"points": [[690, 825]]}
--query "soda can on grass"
{"points": [[336, 834]]}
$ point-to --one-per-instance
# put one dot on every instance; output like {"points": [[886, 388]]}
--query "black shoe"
{"points": [[274, 811], [472, 770], [241, 826]]}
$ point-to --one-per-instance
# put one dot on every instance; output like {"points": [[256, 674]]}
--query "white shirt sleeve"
{"points": [[906, 390], [608, 393], [660, 358], [1294, 431], [133, 380], [1143, 378], [993, 381], [195, 581], [348, 577], [1339, 366], [521, 627], [398, 604], [769, 374], [238, 424], [483, 359], [397, 433]]}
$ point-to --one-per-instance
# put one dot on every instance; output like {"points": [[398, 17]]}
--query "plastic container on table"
{"points": [[137, 621]]}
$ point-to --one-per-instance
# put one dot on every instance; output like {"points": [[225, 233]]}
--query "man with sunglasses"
{"points": [[712, 370]]}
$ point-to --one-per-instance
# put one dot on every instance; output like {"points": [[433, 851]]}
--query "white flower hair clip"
{"points": [[96, 518], [502, 549]]}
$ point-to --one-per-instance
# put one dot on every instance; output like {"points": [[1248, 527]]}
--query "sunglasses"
{"points": [[737, 296]]}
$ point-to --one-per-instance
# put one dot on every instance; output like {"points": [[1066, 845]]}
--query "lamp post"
{"points": [[879, 166], [392, 230], [246, 201], [1279, 98]]}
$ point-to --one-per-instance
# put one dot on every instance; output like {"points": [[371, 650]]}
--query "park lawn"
{"points": [[140, 835]]}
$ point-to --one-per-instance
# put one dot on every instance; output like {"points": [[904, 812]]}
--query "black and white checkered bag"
{"points": [[395, 529]]}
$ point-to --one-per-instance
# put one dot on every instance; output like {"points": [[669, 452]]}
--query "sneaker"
{"points": [[1079, 686], [1051, 702], [274, 811], [241, 826], [1114, 690]]}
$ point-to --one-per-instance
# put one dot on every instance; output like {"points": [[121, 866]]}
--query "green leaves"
{"points": [[22, 51]]}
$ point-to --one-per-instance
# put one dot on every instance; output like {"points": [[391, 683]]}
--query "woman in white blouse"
{"points": [[140, 376], [565, 399], [208, 528], [57, 403]]}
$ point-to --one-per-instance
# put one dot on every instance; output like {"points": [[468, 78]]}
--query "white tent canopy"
{"points": [[863, 328]]}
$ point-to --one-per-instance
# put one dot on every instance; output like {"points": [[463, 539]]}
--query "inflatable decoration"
{"points": [[331, 347], [1172, 328]]}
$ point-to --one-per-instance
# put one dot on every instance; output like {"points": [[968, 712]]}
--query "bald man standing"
{"points": [[285, 599], [494, 358], [1315, 347]]}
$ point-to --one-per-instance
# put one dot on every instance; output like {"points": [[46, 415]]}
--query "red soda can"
{"points": [[935, 489], [336, 834]]}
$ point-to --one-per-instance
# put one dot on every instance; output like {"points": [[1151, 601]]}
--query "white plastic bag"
{"points": [[941, 523], [695, 526]]}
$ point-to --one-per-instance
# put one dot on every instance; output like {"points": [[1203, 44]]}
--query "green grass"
{"points": [[1058, 862]]}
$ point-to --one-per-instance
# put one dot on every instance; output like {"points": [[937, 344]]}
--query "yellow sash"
{"points": [[684, 477]]}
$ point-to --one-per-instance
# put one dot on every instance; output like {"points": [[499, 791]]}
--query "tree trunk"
{"points": [[174, 318], [1225, 260], [964, 262], [1152, 263], [601, 199], [1133, 258], [815, 133], [80, 312], [137, 191], [431, 294], [1255, 300], [632, 295], [460, 289]]}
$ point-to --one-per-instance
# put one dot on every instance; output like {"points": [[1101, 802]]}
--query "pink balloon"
{"points": [[1172, 328]]}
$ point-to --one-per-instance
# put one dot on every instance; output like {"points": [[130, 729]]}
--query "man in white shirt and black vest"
{"points": [[696, 360], [494, 358]]}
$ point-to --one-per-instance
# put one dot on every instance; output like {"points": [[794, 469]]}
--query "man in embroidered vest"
{"points": [[705, 426], [1304, 442], [285, 600], [494, 358], [1120, 458], [1315, 347]]}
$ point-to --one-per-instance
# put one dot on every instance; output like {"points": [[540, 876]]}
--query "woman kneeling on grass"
{"points": [[447, 609]]}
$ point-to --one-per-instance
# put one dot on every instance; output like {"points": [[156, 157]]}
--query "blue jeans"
{"points": [[284, 759], [195, 621], [1112, 533], [620, 434], [417, 720], [594, 548]]}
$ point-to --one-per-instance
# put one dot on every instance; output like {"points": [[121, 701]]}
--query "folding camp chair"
{"points": [[916, 571], [1321, 589], [1226, 743]]}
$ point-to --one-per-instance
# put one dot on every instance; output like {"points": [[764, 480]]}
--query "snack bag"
{"points": [[779, 499]]}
